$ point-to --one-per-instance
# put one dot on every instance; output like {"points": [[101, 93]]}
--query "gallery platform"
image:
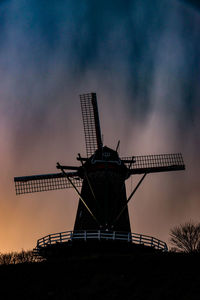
{"points": [[70, 243]]}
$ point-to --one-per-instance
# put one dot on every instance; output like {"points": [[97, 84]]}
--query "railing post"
{"points": [[159, 244], [99, 235], [49, 239], [85, 235], [113, 235], [152, 242], [129, 237], [60, 237]]}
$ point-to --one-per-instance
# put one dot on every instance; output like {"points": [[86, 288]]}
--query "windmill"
{"points": [[103, 204]]}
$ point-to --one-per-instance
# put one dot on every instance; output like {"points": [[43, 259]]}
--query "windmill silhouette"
{"points": [[103, 205]]}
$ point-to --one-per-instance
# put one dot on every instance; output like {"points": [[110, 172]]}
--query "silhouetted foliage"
{"points": [[18, 257], [186, 237]]}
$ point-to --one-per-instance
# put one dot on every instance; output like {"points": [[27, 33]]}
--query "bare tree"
{"points": [[18, 257], [186, 237], [7, 258]]}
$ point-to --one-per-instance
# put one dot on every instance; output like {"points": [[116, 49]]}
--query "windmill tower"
{"points": [[103, 204]]}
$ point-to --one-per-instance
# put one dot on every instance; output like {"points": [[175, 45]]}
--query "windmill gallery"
{"points": [[102, 216]]}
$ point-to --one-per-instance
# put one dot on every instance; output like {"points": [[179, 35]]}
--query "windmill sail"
{"points": [[91, 123], [46, 182], [154, 163]]}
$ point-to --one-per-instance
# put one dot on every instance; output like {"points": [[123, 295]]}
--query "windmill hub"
{"points": [[105, 159], [102, 212]]}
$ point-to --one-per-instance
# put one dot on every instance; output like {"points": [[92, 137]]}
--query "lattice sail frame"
{"points": [[154, 163], [91, 123], [138, 165], [41, 183]]}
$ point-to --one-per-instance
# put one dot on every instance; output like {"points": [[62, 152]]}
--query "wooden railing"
{"points": [[85, 235]]}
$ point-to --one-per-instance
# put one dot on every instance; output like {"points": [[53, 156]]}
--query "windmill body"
{"points": [[103, 204], [104, 189]]}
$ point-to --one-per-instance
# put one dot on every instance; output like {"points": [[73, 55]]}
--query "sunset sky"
{"points": [[142, 58]]}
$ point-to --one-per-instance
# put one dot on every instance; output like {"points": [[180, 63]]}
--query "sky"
{"points": [[142, 59]]}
